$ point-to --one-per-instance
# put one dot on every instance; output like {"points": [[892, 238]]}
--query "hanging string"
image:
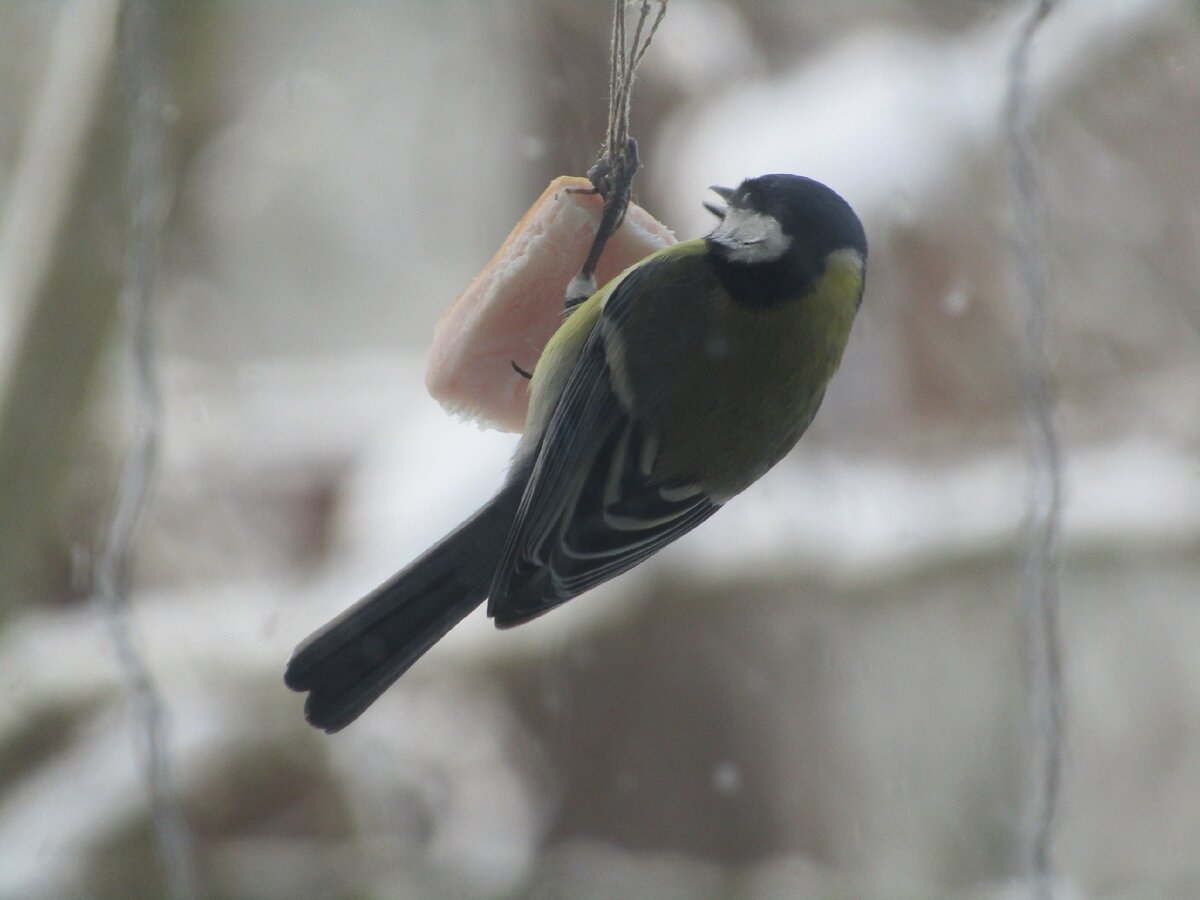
{"points": [[1040, 576], [613, 172], [142, 69]]}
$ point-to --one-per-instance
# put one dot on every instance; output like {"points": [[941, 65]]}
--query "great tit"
{"points": [[667, 392]]}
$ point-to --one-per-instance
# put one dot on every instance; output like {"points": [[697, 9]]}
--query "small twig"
{"points": [[1040, 580], [142, 70], [613, 172]]}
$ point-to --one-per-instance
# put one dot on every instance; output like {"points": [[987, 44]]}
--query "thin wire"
{"points": [[1040, 590], [142, 70]]}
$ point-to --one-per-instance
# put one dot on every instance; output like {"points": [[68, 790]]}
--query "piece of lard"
{"points": [[511, 308]]}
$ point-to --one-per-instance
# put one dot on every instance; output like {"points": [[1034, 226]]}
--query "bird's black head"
{"points": [[777, 233]]}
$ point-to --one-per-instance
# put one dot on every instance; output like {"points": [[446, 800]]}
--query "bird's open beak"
{"points": [[725, 194]]}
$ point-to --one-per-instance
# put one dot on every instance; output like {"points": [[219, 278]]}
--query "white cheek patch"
{"points": [[751, 237]]}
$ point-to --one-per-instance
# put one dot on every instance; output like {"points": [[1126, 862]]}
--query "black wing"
{"points": [[593, 507]]}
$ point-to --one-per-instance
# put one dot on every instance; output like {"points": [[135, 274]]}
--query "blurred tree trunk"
{"points": [[54, 355]]}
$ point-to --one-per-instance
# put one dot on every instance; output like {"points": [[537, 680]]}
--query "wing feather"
{"points": [[592, 507]]}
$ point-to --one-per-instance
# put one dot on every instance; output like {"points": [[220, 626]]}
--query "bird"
{"points": [[665, 394]]}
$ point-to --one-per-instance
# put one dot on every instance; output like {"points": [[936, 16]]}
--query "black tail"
{"points": [[346, 665]]}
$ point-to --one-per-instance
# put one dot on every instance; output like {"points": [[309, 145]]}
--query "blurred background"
{"points": [[822, 692]]}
